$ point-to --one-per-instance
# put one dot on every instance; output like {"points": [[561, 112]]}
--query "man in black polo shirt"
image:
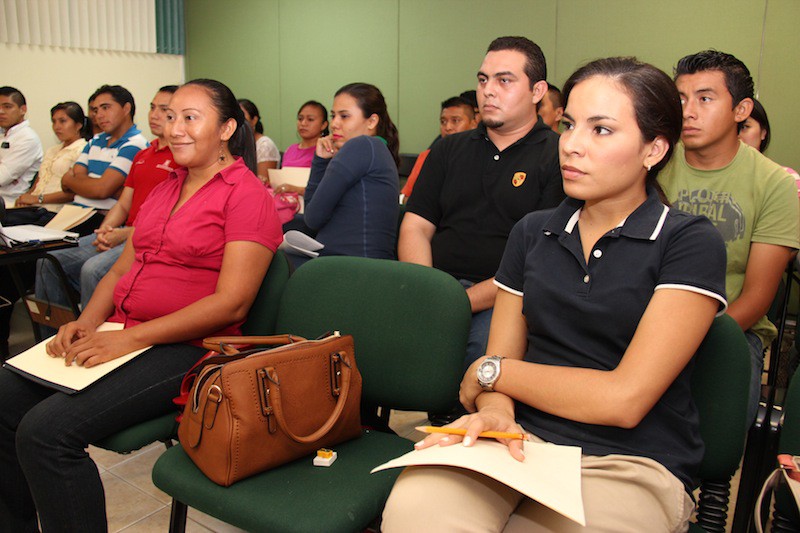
{"points": [[476, 185]]}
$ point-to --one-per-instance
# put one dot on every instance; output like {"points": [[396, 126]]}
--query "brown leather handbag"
{"points": [[251, 411]]}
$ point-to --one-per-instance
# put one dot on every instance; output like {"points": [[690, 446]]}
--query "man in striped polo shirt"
{"points": [[99, 173]]}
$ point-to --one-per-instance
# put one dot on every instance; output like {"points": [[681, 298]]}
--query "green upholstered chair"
{"points": [[410, 325], [720, 385], [785, 516], [260, 321]]}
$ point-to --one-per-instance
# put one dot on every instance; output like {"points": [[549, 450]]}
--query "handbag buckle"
{"points": [[336, 372], [264, 389]]}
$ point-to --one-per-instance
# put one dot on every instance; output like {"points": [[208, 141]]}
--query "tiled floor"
{"points": [[133, 503]]}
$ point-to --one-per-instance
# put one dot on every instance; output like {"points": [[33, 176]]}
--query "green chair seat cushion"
{"points": [[295, 497], [140, 435]]}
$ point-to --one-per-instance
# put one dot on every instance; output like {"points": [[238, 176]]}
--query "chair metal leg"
{"points": [[712, 509], [177, 517]]}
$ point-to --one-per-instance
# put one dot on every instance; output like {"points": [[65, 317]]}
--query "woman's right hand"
{"points": [[486, 419], [26, 199], [67, 334], [325, 147]]}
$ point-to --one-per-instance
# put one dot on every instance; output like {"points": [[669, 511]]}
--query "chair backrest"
{"points": [[410, 325], [790, 429], [264, 311], [720, 385]]}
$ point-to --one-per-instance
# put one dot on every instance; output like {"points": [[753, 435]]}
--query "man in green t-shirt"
{"points": [[750, 199]]}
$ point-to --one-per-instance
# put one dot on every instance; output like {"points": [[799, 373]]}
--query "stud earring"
{"points": [[648, 167]]}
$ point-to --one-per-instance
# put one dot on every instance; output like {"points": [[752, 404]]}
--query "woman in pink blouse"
{"points": [[204, 239]]}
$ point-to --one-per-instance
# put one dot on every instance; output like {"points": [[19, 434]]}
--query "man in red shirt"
{"points": [[86, 265], [457, 115]]}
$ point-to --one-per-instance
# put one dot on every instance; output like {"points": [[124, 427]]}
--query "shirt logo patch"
{"points": [[165, 166], [518, 179]]}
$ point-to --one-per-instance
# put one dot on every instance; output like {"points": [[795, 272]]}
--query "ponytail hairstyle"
{"points": [[371, 102], [656, 102], [75, 112], [242, 143], [252, 110]]}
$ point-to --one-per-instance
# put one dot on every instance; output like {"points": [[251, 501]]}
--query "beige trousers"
{"points": [[620, 493]]}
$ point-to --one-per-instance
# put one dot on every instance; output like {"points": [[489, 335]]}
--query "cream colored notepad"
{"points": [[550, 474], [70, 216], [36, 365]]}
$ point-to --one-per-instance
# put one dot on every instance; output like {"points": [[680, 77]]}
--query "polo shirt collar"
{"points": [[103, 137], [16, 127], [644, 223], [157, 145], [532, 136], [231, 174]]}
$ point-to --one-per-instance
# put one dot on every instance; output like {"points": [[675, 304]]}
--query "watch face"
{"points": [[487, 371]]}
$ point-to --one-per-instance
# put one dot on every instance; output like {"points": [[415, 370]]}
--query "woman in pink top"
{"points": [[311, 125], [204, 239]]}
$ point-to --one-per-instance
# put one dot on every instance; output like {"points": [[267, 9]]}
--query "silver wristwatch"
{"points": [[489, 372]]}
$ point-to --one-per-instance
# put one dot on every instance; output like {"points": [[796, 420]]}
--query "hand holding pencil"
{"points": [[490, 423]]}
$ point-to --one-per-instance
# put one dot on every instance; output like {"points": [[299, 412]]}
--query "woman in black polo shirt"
{"points": [[603, 303]]}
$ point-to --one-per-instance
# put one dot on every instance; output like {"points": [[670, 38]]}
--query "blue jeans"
{"points": [[478, 332], [757, 366], [84, 268], [44, 434]]}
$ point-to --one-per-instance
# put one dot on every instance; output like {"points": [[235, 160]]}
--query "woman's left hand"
{"points": [[100, 347], [470, 388]]}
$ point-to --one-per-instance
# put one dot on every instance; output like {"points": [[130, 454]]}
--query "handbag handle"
{"points": [[337, 411], [228, 345]]}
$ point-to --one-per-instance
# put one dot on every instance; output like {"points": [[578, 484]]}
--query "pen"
{"points": [[462, 432]]}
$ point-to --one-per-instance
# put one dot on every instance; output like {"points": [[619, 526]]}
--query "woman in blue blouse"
{"points": [[352, 193]]}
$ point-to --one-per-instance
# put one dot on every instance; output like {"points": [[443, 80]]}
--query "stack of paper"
{"points": [[550, 474]]}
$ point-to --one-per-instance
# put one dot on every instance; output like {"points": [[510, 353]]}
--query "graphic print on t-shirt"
{"points": [[719, 206]]}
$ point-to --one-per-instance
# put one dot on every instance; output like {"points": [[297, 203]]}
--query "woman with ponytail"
{"points": [[267, 153], [203, 241], [352, 193]]}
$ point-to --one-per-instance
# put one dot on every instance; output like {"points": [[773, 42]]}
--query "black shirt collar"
{"points": [[535, 134], [645, 222]]}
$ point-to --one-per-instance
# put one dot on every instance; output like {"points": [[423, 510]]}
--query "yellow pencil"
{"points": [[462, 432]]}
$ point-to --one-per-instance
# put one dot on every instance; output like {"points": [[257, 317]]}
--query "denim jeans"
{"points": [[84, 268], [478, 332], [757, 366], [44, 435]]}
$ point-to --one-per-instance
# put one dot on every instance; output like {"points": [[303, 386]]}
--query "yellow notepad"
{"points": [[36, 365]]}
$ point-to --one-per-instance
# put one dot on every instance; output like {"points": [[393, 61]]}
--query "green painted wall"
{"points": [[280, 53]]}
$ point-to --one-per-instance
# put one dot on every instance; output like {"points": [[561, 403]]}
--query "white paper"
{"points": [[70, 216], [31, 232], [550, 474], [52, 370], [299, 242]]}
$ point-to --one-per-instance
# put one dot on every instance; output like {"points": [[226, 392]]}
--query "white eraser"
{"points": [[324, 461]]}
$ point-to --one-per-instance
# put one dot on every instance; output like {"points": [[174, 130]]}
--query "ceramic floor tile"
{"points": [[106, 458], [158, 522], [125, 504], [212, 523], [404, 422], [137, 471]]}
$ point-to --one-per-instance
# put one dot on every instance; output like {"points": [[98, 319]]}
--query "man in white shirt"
{"points": [[20, 147]]}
